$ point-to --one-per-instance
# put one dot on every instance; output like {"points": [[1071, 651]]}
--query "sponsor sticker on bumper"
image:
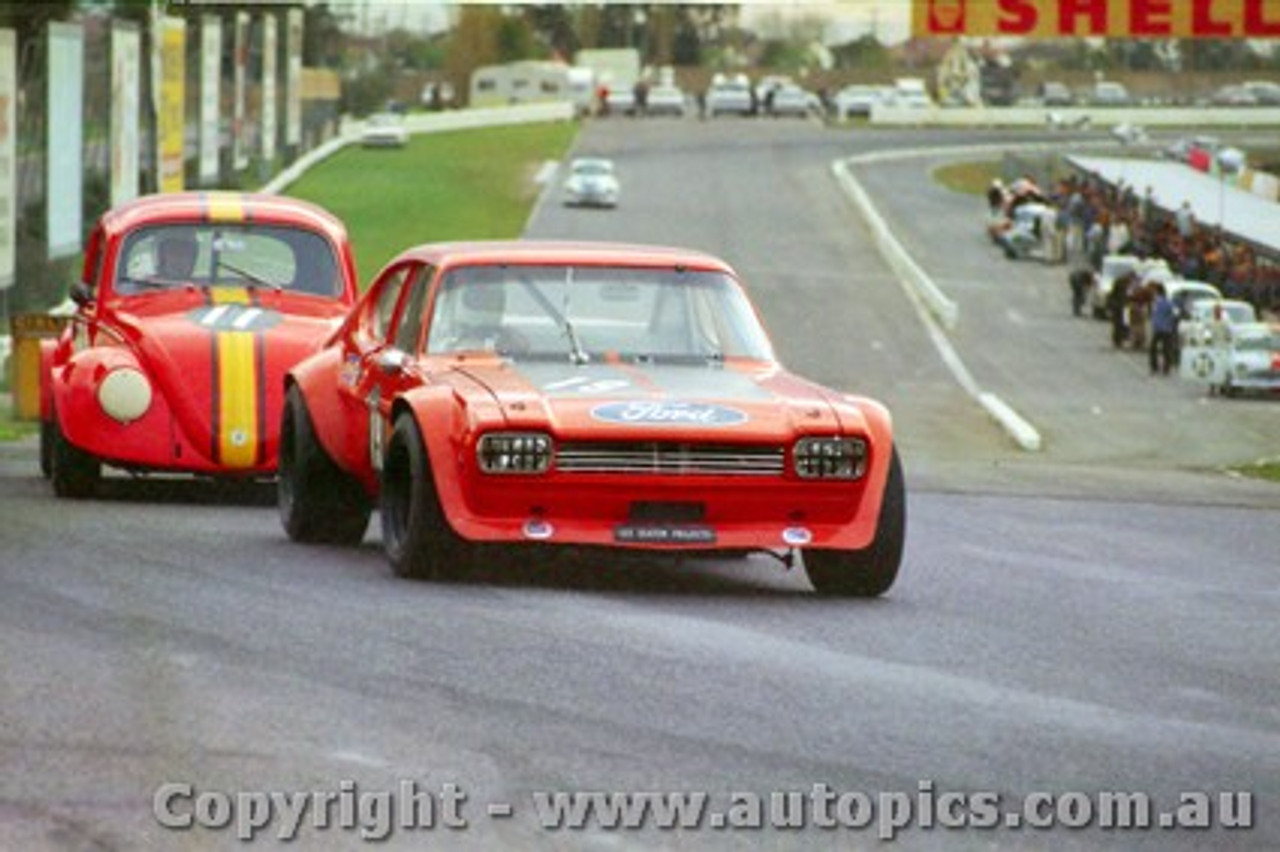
{"points": [[663, 534]]}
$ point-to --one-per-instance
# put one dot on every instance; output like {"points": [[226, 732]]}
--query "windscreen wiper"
{"points": [[246, 274]]}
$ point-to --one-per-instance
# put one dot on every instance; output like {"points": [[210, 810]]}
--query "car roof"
{"points": [[554, 252], [220, 206], [1186, 284]]}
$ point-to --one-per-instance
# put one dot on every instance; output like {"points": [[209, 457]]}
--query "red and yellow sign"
{"points": [[1087, 18]]}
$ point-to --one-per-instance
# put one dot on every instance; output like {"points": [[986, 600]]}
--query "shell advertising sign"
{"points": [[1162, 19]]}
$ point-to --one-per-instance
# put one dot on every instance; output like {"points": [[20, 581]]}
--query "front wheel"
{"points": [[869, 572], [418, 540], [318, 501], [75, 473]]}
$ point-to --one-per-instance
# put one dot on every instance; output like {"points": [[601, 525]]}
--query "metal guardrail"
{"points": [[436, 122]]}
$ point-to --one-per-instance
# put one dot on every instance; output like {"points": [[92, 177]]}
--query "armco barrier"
{"points": [[435, 122]]}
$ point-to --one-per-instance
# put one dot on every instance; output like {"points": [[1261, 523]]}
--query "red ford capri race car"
{"points": [[191, 308], [581, 394]]}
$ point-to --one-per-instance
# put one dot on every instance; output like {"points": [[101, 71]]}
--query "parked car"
{"points": [[592, 182], [1185, 294], [1181, 149], [1108, 93], [191, 308], [514, 394], [1266, 92], [384, 130], [789, 99], [857, 101], [1053, 93], [666, 100], [1232, 358], [911, 92], [1114, 266], [1207, 317], [730, 97], [1235, 96], [1021, 234], [621, 100]]}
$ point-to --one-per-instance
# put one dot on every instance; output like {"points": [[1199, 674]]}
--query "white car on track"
{"points": [[592, 182], [384, 130]]}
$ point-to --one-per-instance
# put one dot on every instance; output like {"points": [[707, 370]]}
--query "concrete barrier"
{"points": [[942, 307], [937, 311], [1188, 119]]}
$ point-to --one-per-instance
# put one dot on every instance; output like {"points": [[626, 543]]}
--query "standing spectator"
{"points": [[1117, 301], [1140, 298], [1118, 239], [1080, 279], [1095, 241], [1164, 330], [1186, 220]]}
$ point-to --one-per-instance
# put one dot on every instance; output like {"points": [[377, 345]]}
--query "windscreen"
{"points": [[208, 254], [595, 311]]}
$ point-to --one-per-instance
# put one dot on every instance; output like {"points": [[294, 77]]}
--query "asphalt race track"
{"points": [[1098, 617]]}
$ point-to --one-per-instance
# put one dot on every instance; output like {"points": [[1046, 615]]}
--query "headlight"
{"points": [[830, 458], [514, 452], [125, 395]]}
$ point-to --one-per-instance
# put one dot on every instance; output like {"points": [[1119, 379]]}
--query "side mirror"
{"points": [[81, 294]]}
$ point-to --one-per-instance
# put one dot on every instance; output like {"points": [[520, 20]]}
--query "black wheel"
{"points": [[419, 542], [75, 473], [318, 501], [869, 572], [46, 448]]}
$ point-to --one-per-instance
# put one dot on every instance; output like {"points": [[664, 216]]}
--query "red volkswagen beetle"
{"points": [[191, 308], [521, 393]]}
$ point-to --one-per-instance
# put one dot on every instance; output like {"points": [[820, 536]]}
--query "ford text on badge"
{"points": [[650, 413]]}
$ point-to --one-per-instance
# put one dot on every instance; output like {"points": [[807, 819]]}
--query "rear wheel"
{"points": [[318, 501], [419, 542], [46, 448], [75, 473], [869, 572]]}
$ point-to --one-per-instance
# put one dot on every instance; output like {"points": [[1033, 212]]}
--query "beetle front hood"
{"points": [[624, 401], [219, 362]]}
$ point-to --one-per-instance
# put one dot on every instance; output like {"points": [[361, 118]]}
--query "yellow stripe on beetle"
{"points": [[226, 208], [237, 380], [237, 399]]}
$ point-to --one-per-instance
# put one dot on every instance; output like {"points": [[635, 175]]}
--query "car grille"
{"points": [[670, 458]]}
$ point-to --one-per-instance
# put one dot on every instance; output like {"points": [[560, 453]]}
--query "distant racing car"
{"points": [[616, 396], [191, 308], [592, 182]]}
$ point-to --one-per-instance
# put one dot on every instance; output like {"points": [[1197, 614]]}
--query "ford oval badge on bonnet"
{"points": [[650, 413]]}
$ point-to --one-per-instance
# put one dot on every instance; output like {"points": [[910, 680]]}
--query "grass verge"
{"points": [[1268, 469], [464, 185], [970, 178]]}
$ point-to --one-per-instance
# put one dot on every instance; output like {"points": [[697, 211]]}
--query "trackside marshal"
{"points": [[1110, 18]]}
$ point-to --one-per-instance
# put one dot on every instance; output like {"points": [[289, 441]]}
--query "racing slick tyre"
{"points": [[75, 474], [319, 502], [419, 542], [46, 448], [869, 572]]}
